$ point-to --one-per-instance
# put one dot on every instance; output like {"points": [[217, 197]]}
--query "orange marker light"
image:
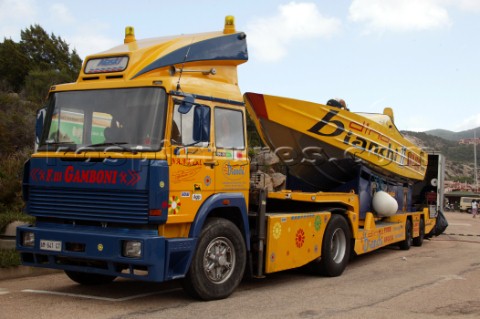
{"points": [[155, 212], [129, 35], [229, 25]]}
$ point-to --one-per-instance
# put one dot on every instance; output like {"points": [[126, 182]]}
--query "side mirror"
{"points": [[201, 124], [186, 104], [39, 126]]}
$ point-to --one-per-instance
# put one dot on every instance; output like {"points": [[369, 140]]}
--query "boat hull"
{"points": [[324, 146]]}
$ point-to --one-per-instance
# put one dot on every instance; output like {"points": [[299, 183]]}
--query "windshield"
{"points": [[111, 120]]}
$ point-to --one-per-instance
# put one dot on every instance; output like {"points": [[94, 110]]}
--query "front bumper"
{"points": [[99, 250]]}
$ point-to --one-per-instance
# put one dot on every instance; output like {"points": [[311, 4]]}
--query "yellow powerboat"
{"points": [[324, 145]]}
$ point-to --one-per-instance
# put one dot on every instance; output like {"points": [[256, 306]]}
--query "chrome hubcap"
{"points": [[338, 245], [219, 260]]}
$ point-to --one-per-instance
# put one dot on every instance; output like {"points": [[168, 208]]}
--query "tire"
{"points": [[218, 263], [336, 247], [407, 242], [88, 279], [418, 241]]}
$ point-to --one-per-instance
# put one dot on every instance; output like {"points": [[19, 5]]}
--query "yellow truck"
{"points": [[142, 170]]}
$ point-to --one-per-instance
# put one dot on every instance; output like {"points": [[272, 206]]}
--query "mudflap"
{"points": [[440, 225]]}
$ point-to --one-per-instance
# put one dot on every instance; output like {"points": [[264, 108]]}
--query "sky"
{"points": [[419, 57]]}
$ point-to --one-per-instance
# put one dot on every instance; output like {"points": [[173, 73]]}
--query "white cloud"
{"points": [[469, 123], [91, 38], [14, 9], [415, 123], [90, 43], [399, 15], [61, 14], [271, 37], [13, 14], [54, 17], [468, 5]]}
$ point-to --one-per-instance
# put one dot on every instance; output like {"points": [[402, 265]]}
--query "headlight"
{"points": [[28, 239], [132, 249]]}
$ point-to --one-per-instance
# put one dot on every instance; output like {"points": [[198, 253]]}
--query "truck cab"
{"points": [[135, 155]]}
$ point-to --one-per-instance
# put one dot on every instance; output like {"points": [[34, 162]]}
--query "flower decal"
{"points": [[300, 238], [277, 230], [318, 223], [207, 181], [174, 205]]}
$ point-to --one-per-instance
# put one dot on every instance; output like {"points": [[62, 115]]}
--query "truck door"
{"points": [[191, 176], [232, 172]]}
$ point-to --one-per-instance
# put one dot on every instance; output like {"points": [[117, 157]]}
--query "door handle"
{"points": [[211, 163]]}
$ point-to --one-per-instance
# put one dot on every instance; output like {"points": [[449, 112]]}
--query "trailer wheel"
{"points": [[88, 279], [218, 263], [335, 247], [407, 243], [418, 241]]}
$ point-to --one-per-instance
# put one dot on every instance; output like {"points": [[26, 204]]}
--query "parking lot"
{"points": [[441, 279]]}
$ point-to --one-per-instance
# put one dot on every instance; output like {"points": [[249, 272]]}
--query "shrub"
{"points": [[17, 120], [11, 167], [9, 258], [10, 216], [17, 123]]}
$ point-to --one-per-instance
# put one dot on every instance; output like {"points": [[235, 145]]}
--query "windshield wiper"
{"points": [[58, 146], [117, 144], [108, 144], [60, 143]]}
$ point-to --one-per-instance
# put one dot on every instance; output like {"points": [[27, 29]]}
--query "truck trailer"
{"points": [[143, 170]]}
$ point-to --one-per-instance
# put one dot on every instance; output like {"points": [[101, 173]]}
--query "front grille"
{"points": [[90, 205]]}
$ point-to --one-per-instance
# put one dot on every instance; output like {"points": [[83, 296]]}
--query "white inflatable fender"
{"points": [[384, 204]]}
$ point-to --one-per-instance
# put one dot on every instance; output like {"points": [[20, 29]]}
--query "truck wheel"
{"points": [[88, 279], [335, 247], [407, 243], [418, 241], [218, 263]]}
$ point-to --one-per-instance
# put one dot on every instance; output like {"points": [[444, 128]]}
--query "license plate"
{"points": [[52, 245]]}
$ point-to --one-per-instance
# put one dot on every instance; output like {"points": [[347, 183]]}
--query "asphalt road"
{"points": [[441, 279]]}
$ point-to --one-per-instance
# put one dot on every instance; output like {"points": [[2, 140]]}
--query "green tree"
{"points": [[38, 83], [37, 52], [51, 62], [49, 52], [14, 66], [31, 66]]}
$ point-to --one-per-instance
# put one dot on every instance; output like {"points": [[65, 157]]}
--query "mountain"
{"points": [[454, 136], [459, 157]]}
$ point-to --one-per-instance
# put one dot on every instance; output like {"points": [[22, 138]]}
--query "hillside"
{"points": [[459, 158], [454, 136]]}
